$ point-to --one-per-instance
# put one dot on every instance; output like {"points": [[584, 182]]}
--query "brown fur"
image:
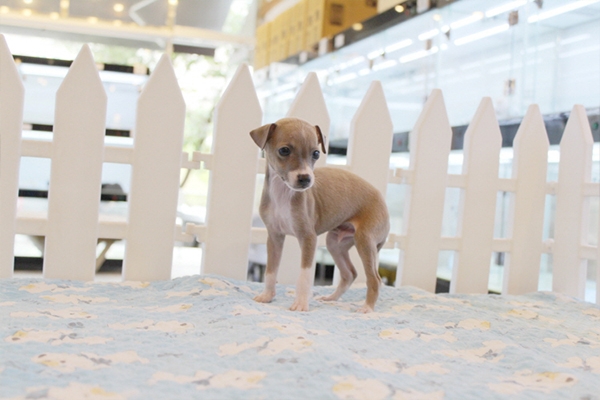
{"points": [[346, 206]]}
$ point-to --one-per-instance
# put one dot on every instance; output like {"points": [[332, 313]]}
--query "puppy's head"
{"points": [[292, 146]]}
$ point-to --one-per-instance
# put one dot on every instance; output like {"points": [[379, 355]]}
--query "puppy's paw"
{"points": [[331, 297], [264, 297], [299, 305], [365, 309]]}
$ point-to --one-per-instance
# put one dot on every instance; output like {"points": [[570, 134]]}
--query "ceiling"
{"points": [[137, 23]]}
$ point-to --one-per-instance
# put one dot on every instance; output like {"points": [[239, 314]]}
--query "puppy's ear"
{"points": [[261, 135], [321, 140]]}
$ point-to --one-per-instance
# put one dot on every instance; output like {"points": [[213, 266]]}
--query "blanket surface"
{"points": [[204, 337]]}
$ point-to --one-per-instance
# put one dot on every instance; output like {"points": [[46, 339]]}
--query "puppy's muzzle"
{"points": [[304, 181]]}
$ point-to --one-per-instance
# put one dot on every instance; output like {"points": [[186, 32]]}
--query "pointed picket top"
{"points": [[531, 139], [75, 177], [371, 136], [309, 105], [83, 71], [526, 208], [155, 175], [577, 137], [483, 137], [429, 149], [12, 94], [162, 81], [239, 96], [232, 179], [432, 124], [483, 141], [574, 171], [9, 72]]}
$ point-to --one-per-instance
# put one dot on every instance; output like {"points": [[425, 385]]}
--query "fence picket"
{"points": [[309, 105], [429, 150], [155, 172], [77, 155], [370, 141], [232, 179], [572, 207], [526, 209], [369, 149], [478, 202], [12, 95]]}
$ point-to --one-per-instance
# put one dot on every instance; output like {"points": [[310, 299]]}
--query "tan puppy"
{"points": [[303, 202]]}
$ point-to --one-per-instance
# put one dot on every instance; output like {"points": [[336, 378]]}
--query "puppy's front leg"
{"points": [[308, 246], [274, 250]]}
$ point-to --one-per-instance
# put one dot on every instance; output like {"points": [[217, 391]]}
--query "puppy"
{"points": [[304, 202]]}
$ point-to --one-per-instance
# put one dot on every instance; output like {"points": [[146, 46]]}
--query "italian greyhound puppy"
{"points": [[304, 202]]}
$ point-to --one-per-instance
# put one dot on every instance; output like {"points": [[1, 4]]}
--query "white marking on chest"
{"points": [[281, 210]]}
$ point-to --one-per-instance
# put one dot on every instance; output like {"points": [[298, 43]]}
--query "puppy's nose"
{"points": [[304, 180]]}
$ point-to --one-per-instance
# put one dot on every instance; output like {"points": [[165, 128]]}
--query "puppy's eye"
{"points": [[284, 151], [316, 154]]}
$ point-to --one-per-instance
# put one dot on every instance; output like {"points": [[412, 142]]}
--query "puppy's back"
{"points": [[347, 195]]}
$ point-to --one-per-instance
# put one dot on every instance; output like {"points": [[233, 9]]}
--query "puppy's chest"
{"points": [[280, 209]]}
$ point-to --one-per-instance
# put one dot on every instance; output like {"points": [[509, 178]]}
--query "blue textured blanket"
{"points": [[204, 337]]}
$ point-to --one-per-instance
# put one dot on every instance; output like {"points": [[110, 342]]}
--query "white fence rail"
{"points": [[72, 225]]}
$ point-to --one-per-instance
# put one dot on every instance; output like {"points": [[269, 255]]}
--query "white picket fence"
{"points": [[73, 223]]}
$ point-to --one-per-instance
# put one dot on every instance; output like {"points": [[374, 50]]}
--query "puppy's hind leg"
{"points": [[339, 252], [367, 249], [274, 250]]}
